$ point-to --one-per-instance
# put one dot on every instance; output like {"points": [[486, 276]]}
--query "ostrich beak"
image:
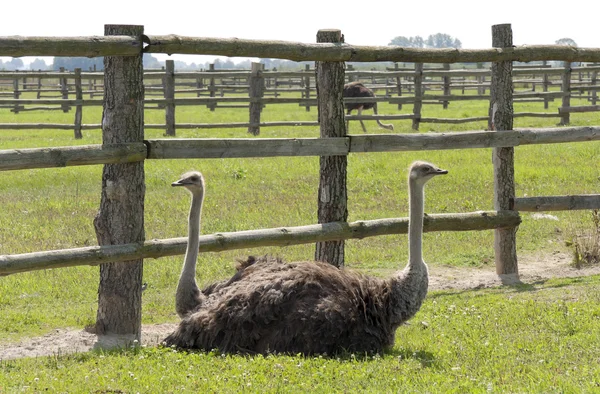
{"points": [[180, 182]]}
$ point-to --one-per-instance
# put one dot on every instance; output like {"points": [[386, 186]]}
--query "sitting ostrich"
{"points": [[269, 306], [357, 89]]}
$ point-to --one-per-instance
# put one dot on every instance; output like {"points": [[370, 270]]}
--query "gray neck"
{"points": [[187, 289], [415, 225]]}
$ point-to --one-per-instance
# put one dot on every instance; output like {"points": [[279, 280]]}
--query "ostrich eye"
{"points": [[194, 178]]}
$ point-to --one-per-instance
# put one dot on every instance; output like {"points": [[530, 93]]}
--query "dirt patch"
{"points": [[531, 269]]}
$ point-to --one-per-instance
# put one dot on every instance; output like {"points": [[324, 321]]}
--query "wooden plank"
{"points": [[212, 148], [91, 46], [174, 44], [19, 159], [556, 203], [282, 236], [582, 108], [471, 139]]}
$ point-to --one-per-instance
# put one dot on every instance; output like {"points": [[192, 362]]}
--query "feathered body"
{"points": [[269, 306], [357, 89]]}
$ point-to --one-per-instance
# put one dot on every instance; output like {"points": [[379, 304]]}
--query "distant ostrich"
{"points": [[269, 306], [357, 89]]}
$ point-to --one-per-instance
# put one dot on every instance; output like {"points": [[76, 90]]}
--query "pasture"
{"points": [[536, 337]]}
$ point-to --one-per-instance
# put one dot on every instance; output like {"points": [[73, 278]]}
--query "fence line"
{"points": [[281, 236], [125, 82], [212, 148], [257, 101]]}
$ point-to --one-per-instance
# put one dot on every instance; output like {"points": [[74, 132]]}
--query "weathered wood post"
{"points": [[333, 197], [307, 86], [39, 88], [79, 105], [256, 90], [169, 94], [545, 85], [64, 90], [565, 117], [418, 84], [211, 87], [446, 79], [501, 119], [594, 92], [16, 93], [121, 216], [398, 85]]}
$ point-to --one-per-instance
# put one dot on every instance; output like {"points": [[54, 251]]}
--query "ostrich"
{"points": [[357, 89], [269, 306]]}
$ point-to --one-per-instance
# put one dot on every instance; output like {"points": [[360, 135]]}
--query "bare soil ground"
{"points": [[532, 269]]}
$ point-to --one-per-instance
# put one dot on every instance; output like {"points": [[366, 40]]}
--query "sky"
{"points": [[367, 23]]}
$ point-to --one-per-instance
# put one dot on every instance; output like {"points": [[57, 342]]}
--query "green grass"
{"points": [[53, 209], [531, 338]]}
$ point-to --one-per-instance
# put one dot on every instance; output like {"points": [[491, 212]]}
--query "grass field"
{"points": [[533, 338]]}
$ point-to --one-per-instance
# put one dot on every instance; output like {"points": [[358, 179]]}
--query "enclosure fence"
{"points": [[124, 151]]}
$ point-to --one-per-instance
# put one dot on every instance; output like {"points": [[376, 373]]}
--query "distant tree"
{"points": [[38, 64], [566, 41], [151, 62], [411, 42], [441, 40], [84, 63]]}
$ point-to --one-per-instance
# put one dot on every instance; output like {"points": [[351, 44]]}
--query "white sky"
{"points": [[368, 23]]}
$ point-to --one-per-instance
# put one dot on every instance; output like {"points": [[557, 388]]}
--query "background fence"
{"points": [[122, 247], [417, 85]]}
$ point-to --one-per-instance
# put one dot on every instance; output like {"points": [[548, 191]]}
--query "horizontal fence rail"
{"points": [[94, 46], [283, 236], [556, 203], [210, 148]]}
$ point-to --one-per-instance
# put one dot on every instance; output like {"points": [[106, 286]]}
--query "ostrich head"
{"points": [[421, 172], [192, 181]]}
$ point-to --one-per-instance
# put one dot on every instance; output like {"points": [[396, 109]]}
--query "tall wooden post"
{"points": [[333, 197], [64, 90], [501, 118], [566, 90], [307, 87], [418, 105], [256, 89], [398, 85], [446, 80], [169, 92], [211, 87], [78, 106], [121, 216]]}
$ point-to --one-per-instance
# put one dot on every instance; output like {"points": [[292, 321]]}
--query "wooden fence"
{"points": [[211, 87], [124, 150]]}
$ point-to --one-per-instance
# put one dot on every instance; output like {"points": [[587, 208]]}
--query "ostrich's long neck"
{"points": [[188, 294], [415, 225]]}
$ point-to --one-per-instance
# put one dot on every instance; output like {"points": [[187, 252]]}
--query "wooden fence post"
{"points": [[566, 100], [545, 85], [211, 87], [120, 219], [418, 83], [398, 85], [446, 79], [16, 93], [169, 94], [64, 90], [333, 197], [594, 92], [256, 90], [78, 107], [307, 86], [501, 119]]}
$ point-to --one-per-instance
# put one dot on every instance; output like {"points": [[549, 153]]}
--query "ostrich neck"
{"points": [[415, 225], [187, 281]]}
